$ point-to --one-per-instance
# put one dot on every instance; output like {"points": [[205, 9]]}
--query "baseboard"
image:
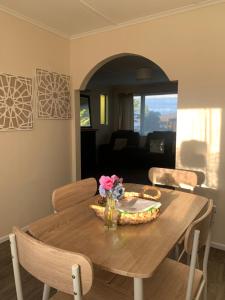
{"points": [[5, 238], [218, 246]]}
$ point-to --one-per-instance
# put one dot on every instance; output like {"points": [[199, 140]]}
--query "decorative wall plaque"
{"points": [[53, 95], [15, 102]]}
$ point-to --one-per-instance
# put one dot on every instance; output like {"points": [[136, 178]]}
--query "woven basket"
{"points": [[134, 218]]}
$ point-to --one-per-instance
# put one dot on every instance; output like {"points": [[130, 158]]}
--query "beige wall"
{"points": [[190, 48], [33, 162]]}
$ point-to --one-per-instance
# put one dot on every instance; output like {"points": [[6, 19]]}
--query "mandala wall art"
{"points": [[53, 95], [16, 110]]}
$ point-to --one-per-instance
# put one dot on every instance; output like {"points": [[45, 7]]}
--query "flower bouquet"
{"points": [[119, 207], [111, 189]]}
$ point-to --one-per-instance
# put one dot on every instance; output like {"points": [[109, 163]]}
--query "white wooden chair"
{"points": [[173, 177], [174, 280], [71, 194], [75, 192], [71, 274], [178, 179]]}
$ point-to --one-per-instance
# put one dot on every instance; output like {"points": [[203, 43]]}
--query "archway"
{"points": [[99, 65], [85, 82]]}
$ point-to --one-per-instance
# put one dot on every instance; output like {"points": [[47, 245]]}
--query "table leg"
{"points": [[138, 289], [46, 292]]}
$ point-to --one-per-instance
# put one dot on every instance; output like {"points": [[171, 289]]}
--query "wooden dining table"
{"points": [[132, 250]]}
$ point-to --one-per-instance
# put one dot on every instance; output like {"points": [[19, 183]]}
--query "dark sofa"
{"points": [[121, 145], [159, 149], [124, 150]]}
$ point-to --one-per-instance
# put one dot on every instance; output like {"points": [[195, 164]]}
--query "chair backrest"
{"points": [[173, 177], [203, 224], [51, 265], [75, 192], [167, 140], [132, 137]]}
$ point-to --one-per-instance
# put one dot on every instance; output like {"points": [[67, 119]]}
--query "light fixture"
{"points": [[143, 73]]}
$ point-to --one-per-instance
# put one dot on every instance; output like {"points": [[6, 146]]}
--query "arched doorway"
{"points": [[128, 58], [124, 70]]}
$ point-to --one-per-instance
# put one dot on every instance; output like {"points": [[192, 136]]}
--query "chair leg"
{"points": [[46, 292], [200, 293], [138, 289], [16, 267], [205, 290], [76, 282], [192, 265]]}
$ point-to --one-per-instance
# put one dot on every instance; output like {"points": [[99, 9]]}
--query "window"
{"points": [[85, 115], [104, 109], [137, 113], [155, 113]]}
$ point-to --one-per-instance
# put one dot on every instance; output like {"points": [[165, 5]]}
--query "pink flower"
{"points": [[114, 178], [106, 182]]}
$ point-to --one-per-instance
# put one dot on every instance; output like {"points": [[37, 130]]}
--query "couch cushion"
{"points": [[131, 136], [119, 144], [157, 146]]}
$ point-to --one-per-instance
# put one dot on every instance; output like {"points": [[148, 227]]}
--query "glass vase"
{"points": [[110, 214]]}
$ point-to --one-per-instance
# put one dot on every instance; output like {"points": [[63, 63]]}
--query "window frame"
{"points": [[142, 106], [89, 107]]}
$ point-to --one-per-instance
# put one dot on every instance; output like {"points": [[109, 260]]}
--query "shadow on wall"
{"points": [[196, 155], [193, 154]]}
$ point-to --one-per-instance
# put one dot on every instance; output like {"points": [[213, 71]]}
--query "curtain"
{"points": [[124, 117]]}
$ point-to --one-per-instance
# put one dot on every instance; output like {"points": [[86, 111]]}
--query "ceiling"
{"points": [[123, 71], [75, 18]]}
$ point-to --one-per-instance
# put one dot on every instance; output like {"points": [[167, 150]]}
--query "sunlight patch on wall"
{"points": [[198, 142]]}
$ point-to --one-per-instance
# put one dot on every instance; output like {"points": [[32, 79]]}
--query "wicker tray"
{"points": [[134, 218]]}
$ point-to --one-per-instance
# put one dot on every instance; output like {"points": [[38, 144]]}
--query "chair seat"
{"points": [[99, 291], [169, 282]]}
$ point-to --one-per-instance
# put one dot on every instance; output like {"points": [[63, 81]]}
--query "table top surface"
{"points": [[131, 250]]}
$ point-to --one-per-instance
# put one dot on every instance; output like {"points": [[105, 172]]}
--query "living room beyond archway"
{"points": [[128, 119]]}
